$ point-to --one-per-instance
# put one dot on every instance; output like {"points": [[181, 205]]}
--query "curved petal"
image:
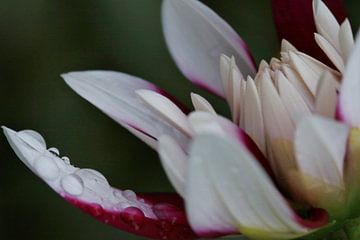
{"points": [[349, 99], [206, 123], [196, 37], [174, 161], [243, 190], [295, 22], [114, 93], [156, 217], [320, 147]]}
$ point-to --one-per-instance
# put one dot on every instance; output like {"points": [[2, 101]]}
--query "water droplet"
{"points": [[46, 168], [129, 195], [72, 184], [66, 160], [33, 139], [94, 181], [133, 217], [118, 194], [54, 151]]}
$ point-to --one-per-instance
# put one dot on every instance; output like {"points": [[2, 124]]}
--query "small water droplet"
{"points": [[133, 217], [46, 168], [72, 184], [54, 151], [129, 195], [66, 160]]}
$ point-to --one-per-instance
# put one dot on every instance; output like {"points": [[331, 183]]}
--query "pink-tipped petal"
{"points": [[154, 216], [114, 93], [349, 100], [295, 22], [207, 123], [242, 188], [196, 37]]}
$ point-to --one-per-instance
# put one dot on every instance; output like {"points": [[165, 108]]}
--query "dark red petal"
{"points": [[318, 218], [171, 222], [295, 22]]}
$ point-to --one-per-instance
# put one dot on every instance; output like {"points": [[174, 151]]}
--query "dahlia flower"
{"points": [[286, 165]]}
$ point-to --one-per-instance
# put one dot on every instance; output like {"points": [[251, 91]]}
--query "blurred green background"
{"points": [[40, 39]]}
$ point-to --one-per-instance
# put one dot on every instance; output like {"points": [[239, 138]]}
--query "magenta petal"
{"points": [[171, 222], [295, 22]]}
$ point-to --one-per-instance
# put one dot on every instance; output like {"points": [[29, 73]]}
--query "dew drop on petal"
{"points": [[72, 184], [33, 139], [129, 195], [133, 216], [46, 168], [54, 151], [94, 181], [66, 160]]}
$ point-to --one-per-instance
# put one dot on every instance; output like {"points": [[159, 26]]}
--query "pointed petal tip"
{"points": [[88, 189], [197, 54]]}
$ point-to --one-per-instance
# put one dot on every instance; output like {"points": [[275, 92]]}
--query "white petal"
{"points": [[174, 161], [320, 146], [244, 188], [346, 39], [85, 185], [330, 51], [326, 96], [196, 37], [203, 122], [201, 104], [309, 69], [276, 118], [114, 94], [207, 213], [349, 101], [166, 109], [291, 99], [296, 80], [326, 23], [253, 118], [287, 46]]}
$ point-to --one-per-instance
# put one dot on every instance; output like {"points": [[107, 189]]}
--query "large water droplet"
{"points": [[133, 217], [33, 139], [94, 181], [46, 168], [72, 184], [129, 195]]}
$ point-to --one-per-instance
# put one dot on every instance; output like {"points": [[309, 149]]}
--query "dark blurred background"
{"points": [[39, 40]]}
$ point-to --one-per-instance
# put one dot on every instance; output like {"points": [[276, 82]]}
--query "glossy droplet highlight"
{"points": [[94, 181], [129, 195], [73, 185], [66, 160], [46, 168], [54, 151]]}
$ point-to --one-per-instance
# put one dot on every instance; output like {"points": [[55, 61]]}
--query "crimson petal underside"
{"points": [[295, 22], [157, 216]]}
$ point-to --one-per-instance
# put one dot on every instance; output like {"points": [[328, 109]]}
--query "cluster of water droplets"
{"points": [[86, 185]]}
